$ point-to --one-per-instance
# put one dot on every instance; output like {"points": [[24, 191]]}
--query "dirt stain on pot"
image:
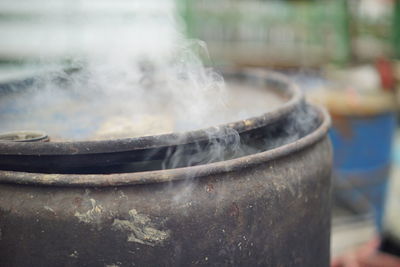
{"points": [[93, 215], [141, 229]]}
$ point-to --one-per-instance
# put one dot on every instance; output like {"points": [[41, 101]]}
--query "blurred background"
{"points": [[345, 54]]}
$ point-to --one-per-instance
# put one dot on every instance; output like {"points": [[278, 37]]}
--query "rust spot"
{"points": [[343, 125], [78, 201], [248, 123], [234, 210], [209, 188]]}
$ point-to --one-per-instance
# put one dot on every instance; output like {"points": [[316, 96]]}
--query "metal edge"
{"points": [[160, 176]]}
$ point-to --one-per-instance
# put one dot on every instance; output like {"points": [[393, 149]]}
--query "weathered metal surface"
{"points": [[267, 209]]}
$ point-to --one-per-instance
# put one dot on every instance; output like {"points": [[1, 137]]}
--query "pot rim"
{"points": [[294, 94], [168, 175], [35, 136]]}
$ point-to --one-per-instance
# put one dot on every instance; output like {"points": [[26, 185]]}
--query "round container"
{"points": [[88, 203], [362, 135], [362, 148], [266, 209]]}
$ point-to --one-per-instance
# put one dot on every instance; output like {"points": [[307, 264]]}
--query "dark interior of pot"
{"points": [[287, 122]]}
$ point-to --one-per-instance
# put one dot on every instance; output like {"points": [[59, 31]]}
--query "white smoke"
{"points": [[139, 77]]}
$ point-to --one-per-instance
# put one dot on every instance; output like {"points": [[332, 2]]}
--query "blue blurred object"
{"points": [[362, 155]]}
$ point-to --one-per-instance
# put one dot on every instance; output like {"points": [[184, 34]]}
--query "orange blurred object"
{"points": [[386, 73]]}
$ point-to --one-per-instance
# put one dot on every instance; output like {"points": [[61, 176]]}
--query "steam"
{"points": [[118, 97], [121, 83], [129, 87]]}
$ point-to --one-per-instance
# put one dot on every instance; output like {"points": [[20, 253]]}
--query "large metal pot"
{"points": [[266, 209]]}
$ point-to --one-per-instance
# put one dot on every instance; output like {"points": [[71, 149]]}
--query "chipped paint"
{"points": [[74, 254], [122, 195], [92, 215], [248, 123], [141, 229], [49, 209]]}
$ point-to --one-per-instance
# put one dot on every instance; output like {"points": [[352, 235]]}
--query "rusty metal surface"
{"points": [[276, 213], [268, 209]]}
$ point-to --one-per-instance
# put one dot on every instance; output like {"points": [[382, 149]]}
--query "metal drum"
{"points": [[268, 208]]}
